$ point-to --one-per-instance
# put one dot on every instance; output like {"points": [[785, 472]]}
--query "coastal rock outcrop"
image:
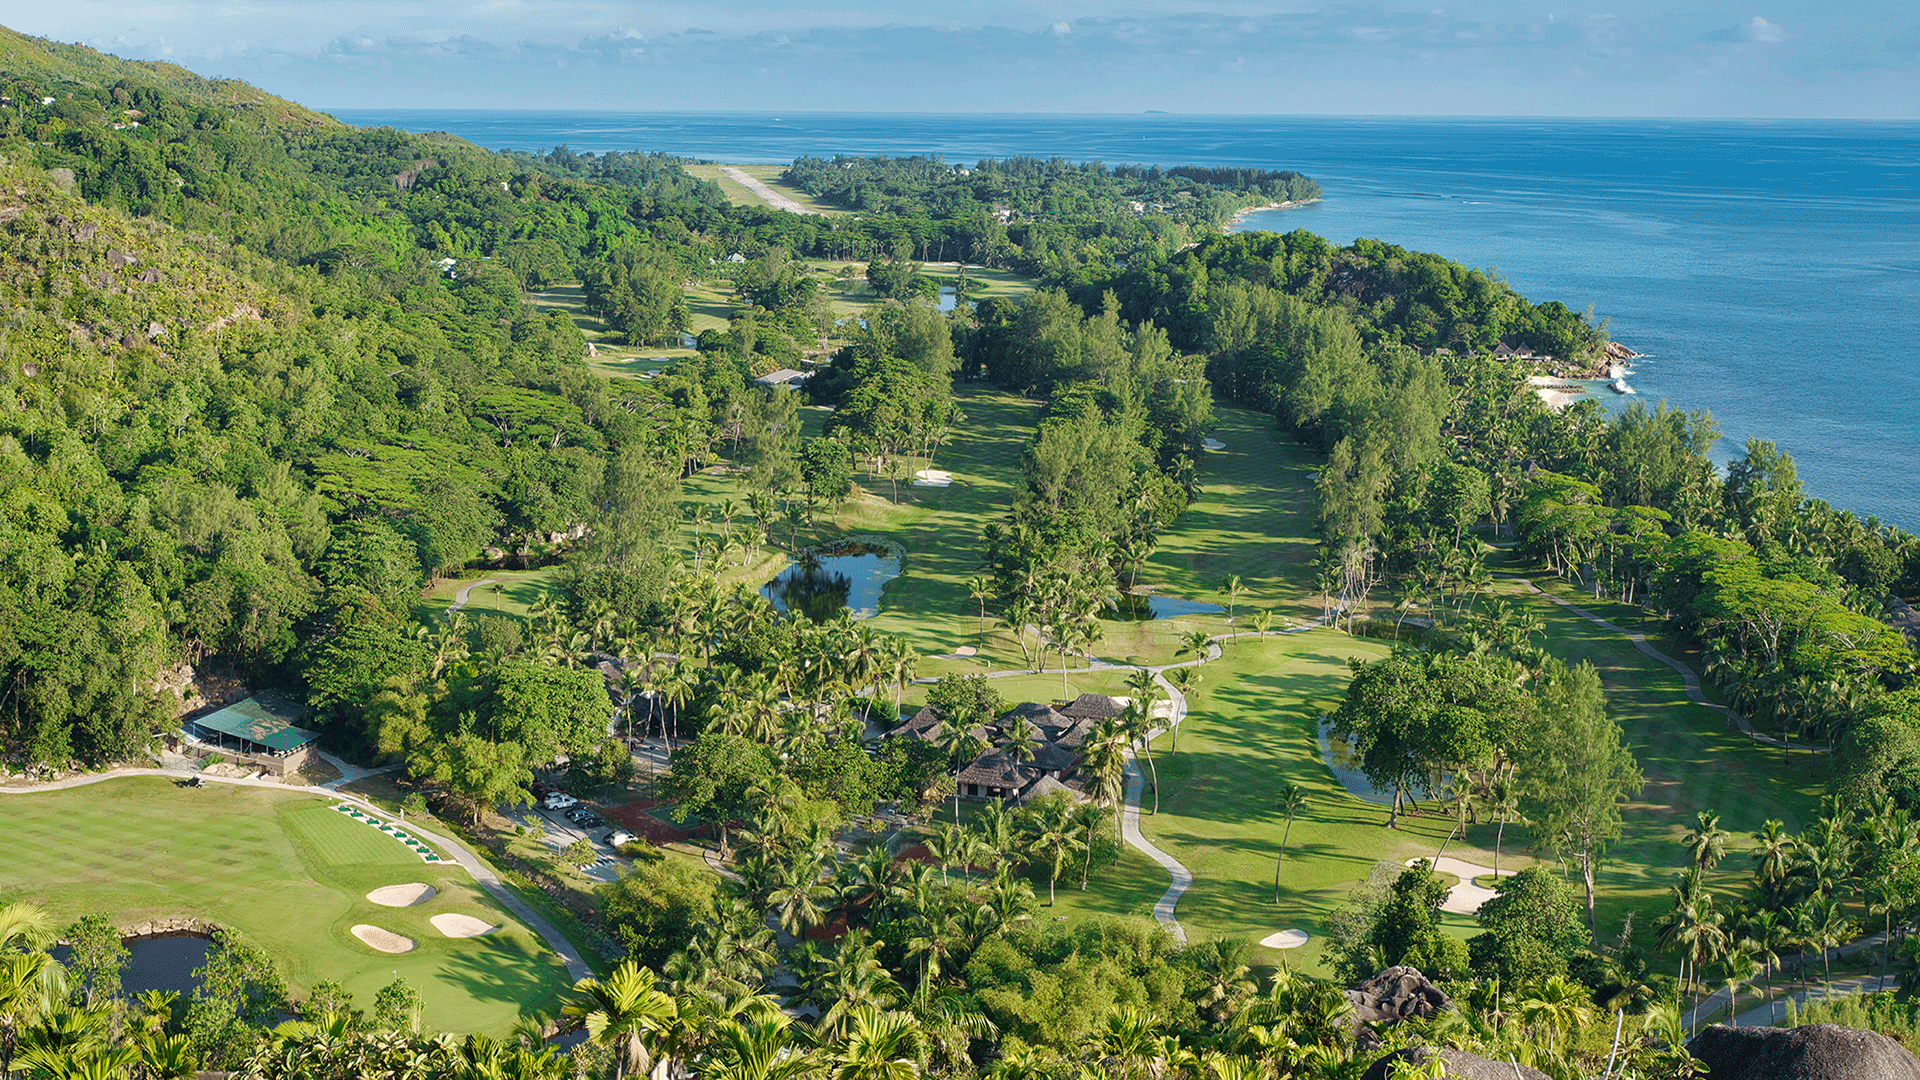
{"points": [[1397, 994], [1459, 1064], [1813, 1052]]}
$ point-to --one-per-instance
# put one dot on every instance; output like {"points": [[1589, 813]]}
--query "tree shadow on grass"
{"points": [[497, 968]]}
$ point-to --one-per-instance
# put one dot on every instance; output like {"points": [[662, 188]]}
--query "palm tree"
{"points": [[1128, 1044], [1504, 804], [1291, 799], [1458, 793], [1555, 1005], [1226, 980], [1706, 842], [1772, 856], [979, 590], [620, 1013], [1262, 622], [956, 737], [1196, 642], [757, 1049], [935, 945], [1019, 739], [796, 895], [1105, 756], [1058, 837], [1831, 929], [1185, 680], [1140, 732], [993, 827], [876, 1045], [1233, 590], [1741, 965]]}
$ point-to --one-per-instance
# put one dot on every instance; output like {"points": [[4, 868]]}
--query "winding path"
{"points": [[482, 873], [1688, 680], [1163, 908], [460, 598]]}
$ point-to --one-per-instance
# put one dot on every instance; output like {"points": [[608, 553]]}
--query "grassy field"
{"points": [[511, 592], [1255, 518], [1691, 759], [286, 873], [739, 195], [1252, 727]]}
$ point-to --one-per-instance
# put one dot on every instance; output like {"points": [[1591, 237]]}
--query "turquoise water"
{"points": [[1769, 269]]}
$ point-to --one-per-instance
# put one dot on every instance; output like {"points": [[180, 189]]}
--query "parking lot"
{"points": [[554, 830]]}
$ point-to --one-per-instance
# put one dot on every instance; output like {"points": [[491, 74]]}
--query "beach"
{"points": [[1557, 393]]}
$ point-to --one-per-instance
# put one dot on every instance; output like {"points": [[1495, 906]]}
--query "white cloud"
{"points": [[1061, 28], [1756, 30]]}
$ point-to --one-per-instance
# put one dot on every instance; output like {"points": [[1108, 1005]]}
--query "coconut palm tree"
{"points": [[1503, 802], [621, 1012], [1196, 642], [1706, 842], [1057, 837], [1019, 739], [980, 590], [1233, 590], [1290, 800], [761, 1048], [1140, 733], [1185, 680]]}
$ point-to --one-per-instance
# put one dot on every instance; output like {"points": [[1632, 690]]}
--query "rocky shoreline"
{"points": [[167, 926]]}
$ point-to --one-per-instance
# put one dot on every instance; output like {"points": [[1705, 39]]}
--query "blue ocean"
{"points": [[1769, 270]]}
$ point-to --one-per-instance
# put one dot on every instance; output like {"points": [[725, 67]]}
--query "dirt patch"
{"points": [[454, 924], [385, 940], [407, 895]]}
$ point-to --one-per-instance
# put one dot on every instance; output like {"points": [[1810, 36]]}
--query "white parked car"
{"points": [[621, 836], [560, 800]]}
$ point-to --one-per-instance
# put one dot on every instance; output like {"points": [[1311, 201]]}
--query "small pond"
{"points": [[166, 962], [1142, 608], [825, 580], [948, 298]]}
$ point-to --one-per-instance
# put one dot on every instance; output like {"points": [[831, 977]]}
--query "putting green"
{"points": [[289, 875]]}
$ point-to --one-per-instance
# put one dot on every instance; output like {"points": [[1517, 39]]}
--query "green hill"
{"points": [[64, 67]]}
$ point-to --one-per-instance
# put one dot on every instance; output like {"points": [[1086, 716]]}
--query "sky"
{"points": [[1769, 58]]}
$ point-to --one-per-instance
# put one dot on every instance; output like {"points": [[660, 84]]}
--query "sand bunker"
{"points": [[456, 925], [406, 895], [1212, 444], [932, 478], [1285, 939], [384, 940]]}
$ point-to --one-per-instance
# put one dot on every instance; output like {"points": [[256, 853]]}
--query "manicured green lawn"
{"points": [[512, 592], [1255, 517], [1692, 762], [1251, 727], [286, 873]]}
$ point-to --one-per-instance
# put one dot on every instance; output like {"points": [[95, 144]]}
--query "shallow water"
{"points": [[1146, 608], [159, 963], [822, 588]]}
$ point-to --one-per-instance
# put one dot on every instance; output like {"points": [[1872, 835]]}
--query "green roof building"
{"points": [[262, 724]]}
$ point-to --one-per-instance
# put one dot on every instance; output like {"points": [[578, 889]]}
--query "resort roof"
{"points": [[1094, 707], [266, 719]]}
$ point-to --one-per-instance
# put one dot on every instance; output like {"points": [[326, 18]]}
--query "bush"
{"points": [[641, 851]]}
